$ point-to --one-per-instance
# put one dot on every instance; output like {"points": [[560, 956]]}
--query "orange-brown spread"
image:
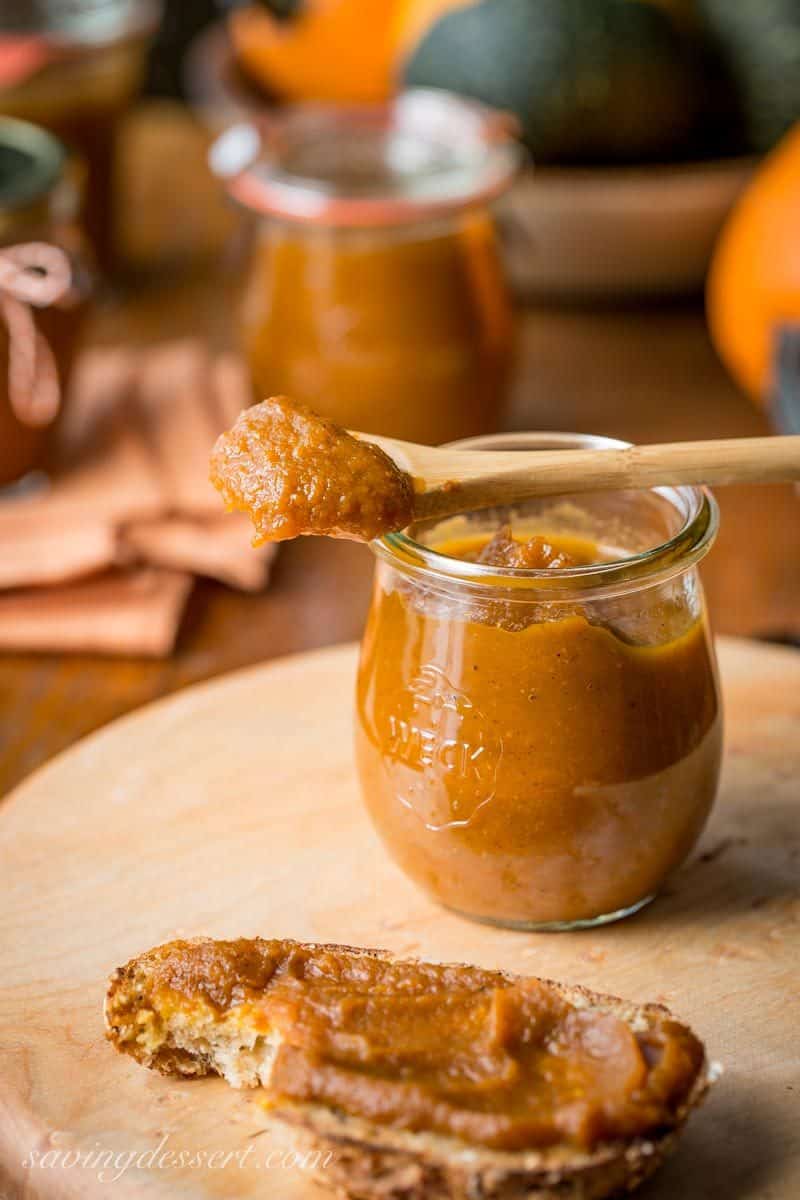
{"points": [[295, 473], [530, 766], [476, 1054], [405, 333], [534, 553]]}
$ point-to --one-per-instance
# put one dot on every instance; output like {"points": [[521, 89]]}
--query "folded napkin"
{"points": [[120, 612], [101, 557]]}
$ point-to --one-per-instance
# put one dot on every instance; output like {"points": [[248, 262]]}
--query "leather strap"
{"points": [[34, 274]]}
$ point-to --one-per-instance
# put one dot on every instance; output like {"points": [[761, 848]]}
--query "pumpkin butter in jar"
{"points": [[45, 293], [538, 718], [375, 290]]}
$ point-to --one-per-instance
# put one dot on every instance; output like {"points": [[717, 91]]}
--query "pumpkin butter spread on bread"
{"points": [[425, 1080]]}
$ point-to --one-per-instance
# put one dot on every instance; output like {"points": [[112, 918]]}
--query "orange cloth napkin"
{"points": [[102, 557]]}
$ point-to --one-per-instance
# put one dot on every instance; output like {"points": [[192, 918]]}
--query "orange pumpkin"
{"points": [[331, 50], [754, 281]]}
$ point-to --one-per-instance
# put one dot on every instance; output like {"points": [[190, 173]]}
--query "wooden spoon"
{"points": [[293, 472], [447, 482]]}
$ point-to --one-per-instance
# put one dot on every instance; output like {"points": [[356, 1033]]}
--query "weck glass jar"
{"points": [[375, 291], [540, 748], [41, 317]]}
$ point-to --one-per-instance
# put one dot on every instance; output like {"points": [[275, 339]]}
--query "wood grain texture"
{"points": [[448, 482], [232, 809]]}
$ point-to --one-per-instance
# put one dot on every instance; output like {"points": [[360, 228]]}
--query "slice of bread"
{"points": [[181, 1010]]}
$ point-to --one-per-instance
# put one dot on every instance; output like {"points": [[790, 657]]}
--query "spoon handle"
{"points": [[482, 479]]}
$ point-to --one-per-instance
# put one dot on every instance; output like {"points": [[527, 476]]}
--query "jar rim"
{"points": [[686, 547], [425, 153]]}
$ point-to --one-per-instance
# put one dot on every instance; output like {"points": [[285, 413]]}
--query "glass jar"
{"points": [[375, 291], [74, 67], [541, 748], [39, 200]]}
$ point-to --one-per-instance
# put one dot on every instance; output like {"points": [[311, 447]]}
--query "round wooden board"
{"points": [[232, 809]]}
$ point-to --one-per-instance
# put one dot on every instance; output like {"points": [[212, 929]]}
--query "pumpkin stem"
{"points": [[282, 10]]}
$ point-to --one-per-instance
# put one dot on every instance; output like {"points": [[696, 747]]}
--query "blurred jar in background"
{"points": [[39, 202], [74, 66], [375, 292]]}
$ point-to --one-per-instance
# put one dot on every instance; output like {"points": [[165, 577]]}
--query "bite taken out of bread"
{"points": [[421, 1081]]}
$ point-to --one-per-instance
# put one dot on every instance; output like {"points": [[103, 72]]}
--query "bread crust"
{"points": [[366, 1161]]}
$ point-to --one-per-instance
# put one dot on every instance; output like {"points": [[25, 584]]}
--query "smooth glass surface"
{"points": [[405, 332], [535, 751]]}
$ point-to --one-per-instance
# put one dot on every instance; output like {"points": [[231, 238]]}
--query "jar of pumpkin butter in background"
{"points": [[75, 67], [46, 279], [375, 291]]}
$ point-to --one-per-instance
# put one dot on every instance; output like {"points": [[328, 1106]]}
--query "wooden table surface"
{"points": [[646, 374], [261, 831]]}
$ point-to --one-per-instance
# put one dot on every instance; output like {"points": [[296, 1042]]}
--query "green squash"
{"points": [[759, 41], [589, 80], [282, 10]]}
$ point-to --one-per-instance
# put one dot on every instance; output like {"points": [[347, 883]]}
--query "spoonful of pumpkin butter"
{"points": [[294, 472]]}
